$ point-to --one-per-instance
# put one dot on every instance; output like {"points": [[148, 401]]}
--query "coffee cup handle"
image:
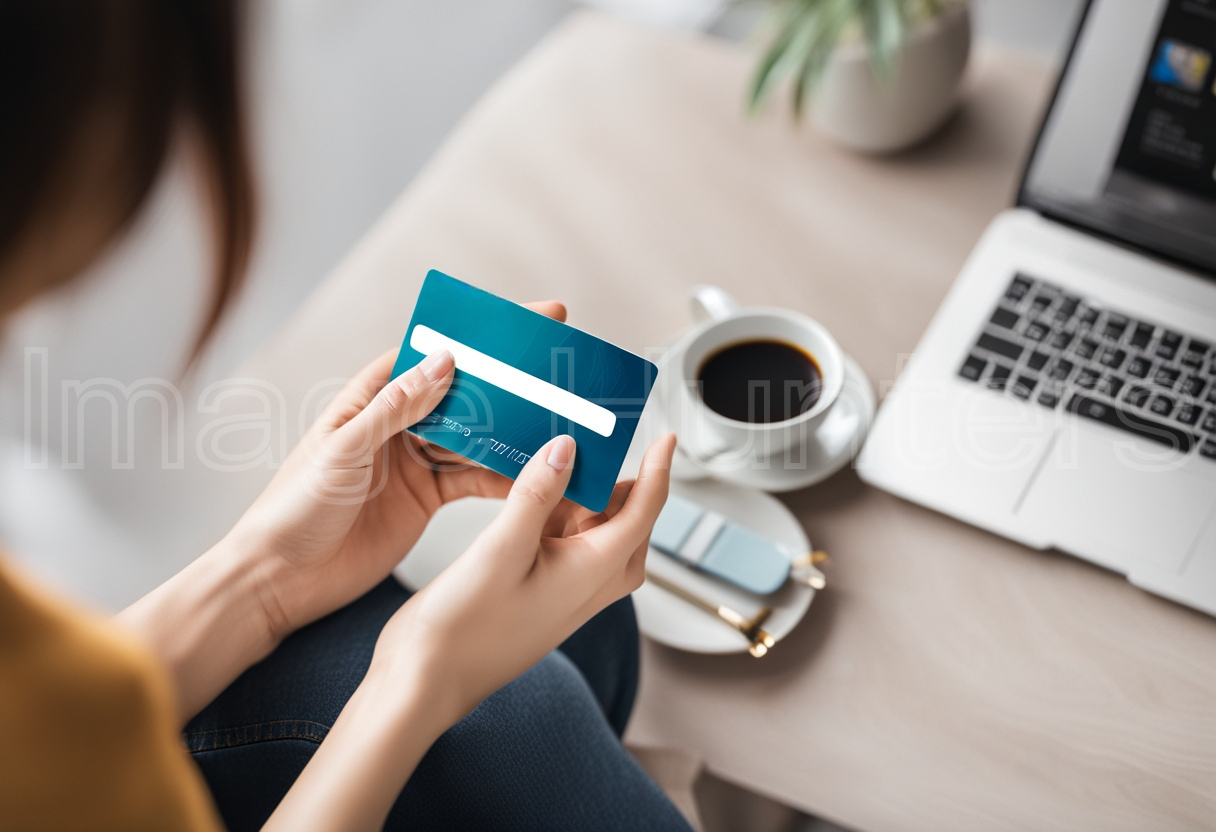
{"points": [[709, 303]]}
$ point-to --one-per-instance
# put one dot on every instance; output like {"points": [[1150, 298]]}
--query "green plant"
{"points": [[804, 33]]}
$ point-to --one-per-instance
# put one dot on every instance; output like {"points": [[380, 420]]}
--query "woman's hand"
{"points": [[356, 493], [350, 502], [533, 577]]}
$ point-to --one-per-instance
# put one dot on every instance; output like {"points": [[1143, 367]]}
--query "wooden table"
{"points": [[947, 679]]}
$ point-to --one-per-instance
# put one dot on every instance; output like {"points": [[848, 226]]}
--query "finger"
{"points": [[564, 520], [375, 372], [455, 475], [619, 494], [631, 526], [401, 403], [570, 518], [358, 392], [634, 573], [472, 482], [626, 578], [536, 493], [439, 458], [550, 309]]}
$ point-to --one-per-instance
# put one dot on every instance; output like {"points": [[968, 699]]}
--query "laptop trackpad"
{"points": [[1117, 501]]}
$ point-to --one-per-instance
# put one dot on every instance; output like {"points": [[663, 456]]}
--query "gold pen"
{"points": [[760, 642]]}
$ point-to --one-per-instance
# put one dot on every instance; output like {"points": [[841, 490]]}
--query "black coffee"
{"points": [[760, 381]]}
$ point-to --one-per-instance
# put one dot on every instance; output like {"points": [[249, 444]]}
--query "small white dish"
{"points": [[835, 442], [661, 615], [676, 623], [452, 530]]}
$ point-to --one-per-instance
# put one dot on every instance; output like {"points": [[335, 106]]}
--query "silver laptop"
{"points": [[1065, 393]]}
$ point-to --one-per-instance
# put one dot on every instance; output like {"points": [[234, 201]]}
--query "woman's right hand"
{"points": [[536, 574], [533, 577]]}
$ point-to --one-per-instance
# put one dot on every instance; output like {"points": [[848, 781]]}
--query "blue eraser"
{"points": [[711, 543]]}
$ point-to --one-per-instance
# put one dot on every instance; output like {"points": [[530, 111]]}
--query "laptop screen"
{"points": [[1128, 149]]}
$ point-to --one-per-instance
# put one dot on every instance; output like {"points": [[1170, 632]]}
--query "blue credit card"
{"points": [[522, 379]]}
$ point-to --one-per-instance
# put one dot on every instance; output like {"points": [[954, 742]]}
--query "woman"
{"points": [[317, 695]]}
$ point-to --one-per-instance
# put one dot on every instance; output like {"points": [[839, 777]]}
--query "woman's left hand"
{"points": [[356, 493]]}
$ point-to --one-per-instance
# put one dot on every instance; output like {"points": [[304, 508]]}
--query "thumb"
{"points": [[401, 403], [536, 492]]}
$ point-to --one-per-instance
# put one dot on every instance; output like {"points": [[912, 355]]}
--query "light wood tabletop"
{"points": [[946, 679]]}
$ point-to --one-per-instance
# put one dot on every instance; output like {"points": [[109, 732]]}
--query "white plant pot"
{"points": [[859, 110]]}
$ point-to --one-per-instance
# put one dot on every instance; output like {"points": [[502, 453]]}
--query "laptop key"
{"points": [[1000, 346], [1166, 377], [1208, 448], [1041, 302], [1110, 386], [1018, 288], [1211, 399], [1023, 388], [1167, 347], [1086, 348], [1089, 315], [1162, 405], [999, 377], [1061, 370], [1138, 396], [1115, 327], [1038, 360], [1126, 420], [1209, 422], [1061, 340], [1037, 331], [1194, 360], [1142, 335], [1049, 397], [1005, 318], [1112, 357], [1087, 378], [1139, 367], [973, 368], [1192, 386], [1188, 414]]}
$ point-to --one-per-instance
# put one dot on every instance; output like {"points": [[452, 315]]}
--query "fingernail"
{"points": [[436, 365], [561, 452]]}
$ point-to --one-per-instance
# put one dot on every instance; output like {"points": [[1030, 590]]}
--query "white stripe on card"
{"points": [[515, 381]]}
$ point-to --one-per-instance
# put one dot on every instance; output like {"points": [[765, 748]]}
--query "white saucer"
{"points": [[834, 444], [452, 530], [677, 623], [661, 615]]}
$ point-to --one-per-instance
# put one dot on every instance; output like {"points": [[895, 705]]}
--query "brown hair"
{"points": [[93, 94]]}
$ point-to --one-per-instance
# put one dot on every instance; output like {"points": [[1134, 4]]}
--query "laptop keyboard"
{"points": [[1044, 345]]}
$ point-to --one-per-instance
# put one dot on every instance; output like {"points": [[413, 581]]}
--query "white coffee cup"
{"points": [[714, 441]]}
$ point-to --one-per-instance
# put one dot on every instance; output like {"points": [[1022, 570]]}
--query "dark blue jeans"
{"points": [[541, 753]]}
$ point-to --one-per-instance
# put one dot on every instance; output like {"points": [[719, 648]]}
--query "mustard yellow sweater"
{"points": [[88, 733]]}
